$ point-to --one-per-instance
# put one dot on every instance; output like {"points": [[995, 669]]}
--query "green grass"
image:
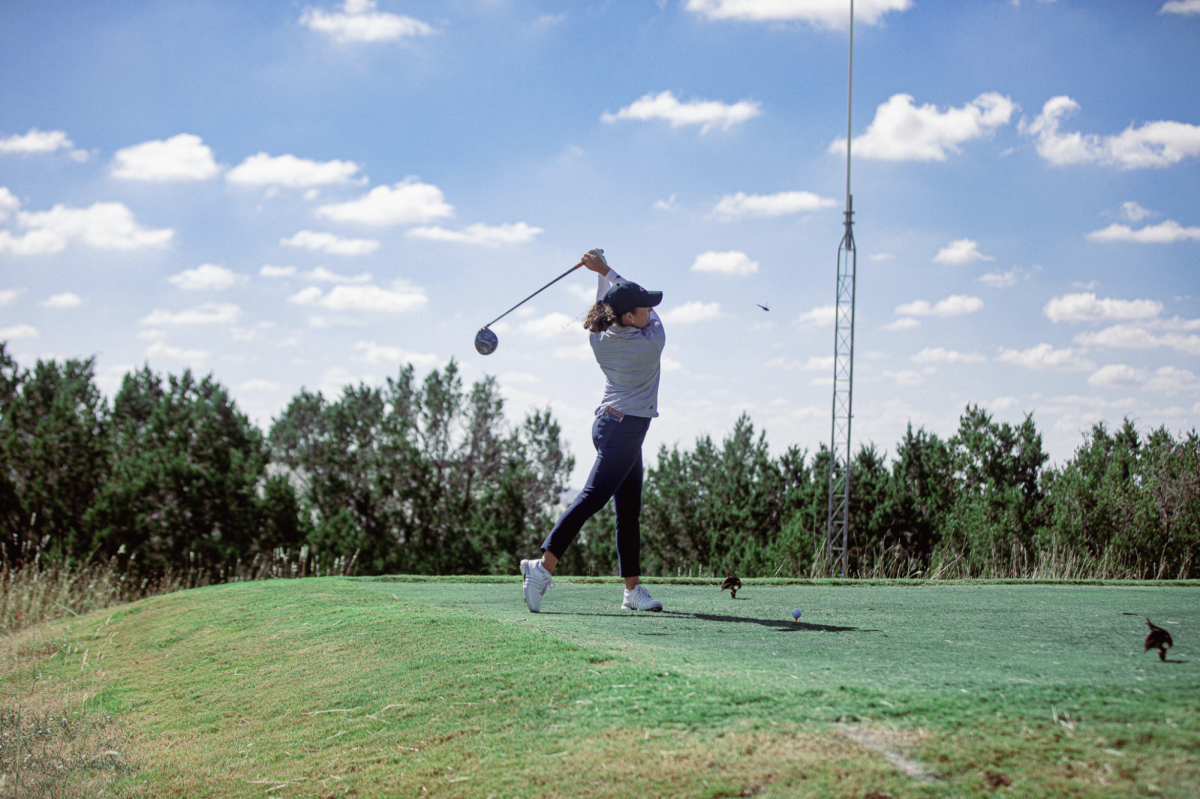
{"points": [[377, 687]]}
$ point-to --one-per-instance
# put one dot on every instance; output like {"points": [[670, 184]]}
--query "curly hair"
{"points": [[600, 318]]}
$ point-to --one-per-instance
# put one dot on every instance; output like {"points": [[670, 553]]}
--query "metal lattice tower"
{"points": [[843, 368]]}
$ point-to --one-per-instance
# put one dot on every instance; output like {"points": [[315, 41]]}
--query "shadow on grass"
{"points": [[776, 624]]}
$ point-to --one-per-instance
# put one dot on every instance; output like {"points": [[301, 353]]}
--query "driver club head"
{"points": [[485, 341]]}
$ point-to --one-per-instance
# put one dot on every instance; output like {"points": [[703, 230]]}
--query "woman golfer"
{"points": [[627, 339]]}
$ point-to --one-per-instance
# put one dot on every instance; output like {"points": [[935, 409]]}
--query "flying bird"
{"points": [[765, 308], [731, 584], [1159, 639]]}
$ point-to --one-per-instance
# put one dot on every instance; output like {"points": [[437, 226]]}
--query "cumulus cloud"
{"points": [[552, 325], [959, 252], [906, 377], [409, 202], [1003, 280], [708, 114], [102, 225], [68, 299], [1044, 356], [821, 316], [18, 331], [904, 323], [954, 305], [40, 141], [182, 157], [725, 263], [276, 271], [1166, 380], [1153, 145], [323, 275], [480, 234], [382, 354], [7, 296], [1133, 212], [1087, 308], [401, 298], [1180, 7], [736, 206], [206, 277], [210, 313], [903, 132], [694, 311], [1135, 337], [668, 204], [291, 172], [1163, 233], [941, 355], [330, 243], [162, 349], [358, 21], [8, 202], [822, 13]]}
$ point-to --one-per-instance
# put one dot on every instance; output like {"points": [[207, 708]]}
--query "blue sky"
{"points": [[293, 195]]}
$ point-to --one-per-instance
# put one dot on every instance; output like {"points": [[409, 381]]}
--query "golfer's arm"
{"points": [[605, 282]]}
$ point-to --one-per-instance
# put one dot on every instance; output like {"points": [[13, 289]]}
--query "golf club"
{"points": [[486, 341]]}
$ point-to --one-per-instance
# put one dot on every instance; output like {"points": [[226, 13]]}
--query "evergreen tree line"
{"points": [[427, 476]]}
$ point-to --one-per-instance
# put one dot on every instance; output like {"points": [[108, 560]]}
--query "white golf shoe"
{"points": [[639, 599], [536, 581]]}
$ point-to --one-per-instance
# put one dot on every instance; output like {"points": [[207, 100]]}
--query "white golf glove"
{"points": [[599, 253]]}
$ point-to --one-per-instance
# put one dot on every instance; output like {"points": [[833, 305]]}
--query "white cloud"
{"points": [[881, 256], [821, 316], [903, 132], [819, 363], [725, 263], [1134, 212], [288, 170], [210, 313], [706, 113], [259, 384], [8, 202], [401, 298], [323, 275], [905, 323], [1086, 308], [665, 205], [1153, 145], [1162, 233], [959, 252], [1135, 337], [40, 141], [181, 157], [480, 234], [330, 243], [551, 325], [954, 305], [18, 331], [276, 271], [1180, 7], [1003, 280], [360, 22], [206, 277], [1044, 356], [1166, 380], [7, 296], [906, 377], [736, 206], [67, 299], [940, 355], [695, 311], [165, 350], [409, 202], [381, 354], [824, 13], [105, 226]]}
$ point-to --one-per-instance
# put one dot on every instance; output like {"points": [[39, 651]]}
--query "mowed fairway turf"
{"points": [[393, 687]]}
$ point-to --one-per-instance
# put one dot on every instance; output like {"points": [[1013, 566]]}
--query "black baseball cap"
{"points": [[626, 297]]}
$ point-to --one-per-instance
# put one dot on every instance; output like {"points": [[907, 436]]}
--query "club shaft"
{"points": [[534, 294]]}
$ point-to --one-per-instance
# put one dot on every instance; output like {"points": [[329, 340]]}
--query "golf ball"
{"points": [[796, 613]]}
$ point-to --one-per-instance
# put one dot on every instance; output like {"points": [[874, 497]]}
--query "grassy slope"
{"points": [[374, 687]]}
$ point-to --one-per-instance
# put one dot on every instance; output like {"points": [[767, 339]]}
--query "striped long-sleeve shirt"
{"points": [[629, 358]]}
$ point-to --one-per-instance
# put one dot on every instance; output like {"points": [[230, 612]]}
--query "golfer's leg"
{"points": [[628, 501]]}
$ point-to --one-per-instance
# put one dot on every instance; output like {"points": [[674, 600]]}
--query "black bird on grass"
{"points": [[731, 584], [1159, 639]]}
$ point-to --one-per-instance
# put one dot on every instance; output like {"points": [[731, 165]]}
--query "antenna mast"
{"points": [[843, 368]]}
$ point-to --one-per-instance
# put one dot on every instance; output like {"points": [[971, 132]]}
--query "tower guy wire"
{"points": [[838, 526]]}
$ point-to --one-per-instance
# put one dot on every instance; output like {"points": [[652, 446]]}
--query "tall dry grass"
{"points": [[40, 591]]}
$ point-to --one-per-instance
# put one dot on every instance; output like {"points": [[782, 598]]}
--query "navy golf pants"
{"points": [[616, 475]]}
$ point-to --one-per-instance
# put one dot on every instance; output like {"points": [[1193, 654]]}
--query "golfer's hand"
{"points": [[595, 263]]}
